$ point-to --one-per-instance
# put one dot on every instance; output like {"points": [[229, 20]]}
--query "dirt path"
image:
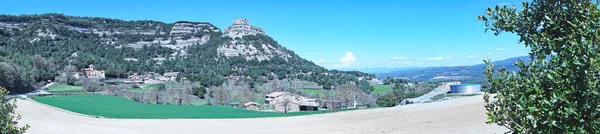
{"points": [[463, 115]]}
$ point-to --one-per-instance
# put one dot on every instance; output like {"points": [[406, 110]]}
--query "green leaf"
{"points": [[530, 117]]}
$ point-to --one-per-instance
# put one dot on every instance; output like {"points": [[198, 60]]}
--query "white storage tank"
{"points": [[465, 88]]}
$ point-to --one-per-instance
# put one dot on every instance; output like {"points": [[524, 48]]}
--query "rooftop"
{"points": [[275, 94], [465, 85]]}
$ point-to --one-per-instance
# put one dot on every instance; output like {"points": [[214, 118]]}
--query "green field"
{"points": [[379, 89], [199, 103], [64, 89], [115, 107]]}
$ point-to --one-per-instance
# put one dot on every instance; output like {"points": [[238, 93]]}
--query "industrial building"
{"points": [[465, 88]]}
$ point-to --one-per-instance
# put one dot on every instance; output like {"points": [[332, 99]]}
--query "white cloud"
{"points": [[348, 59], [500, 49], [398, 61], [399, 58], [472, 56], [438, 58], [489, 52]]}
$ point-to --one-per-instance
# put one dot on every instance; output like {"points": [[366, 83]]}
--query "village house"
{"points": [[78, 75], [94, 74], [279, 100], [134, 76], [169, 76], [376, 81], [251, 106], [331, 104], [147, 78]]}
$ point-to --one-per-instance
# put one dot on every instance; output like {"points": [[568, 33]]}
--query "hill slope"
{"points": [[452, 73], [39, 47]]}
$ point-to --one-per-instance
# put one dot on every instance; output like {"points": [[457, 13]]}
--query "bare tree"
{"points": [[91, 85], [346, 93], [220, 94], [366, 99], [286, 102], [320, 98]]}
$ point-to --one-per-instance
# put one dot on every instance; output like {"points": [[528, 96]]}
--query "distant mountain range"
{"points": [[377, 70], [465, 73]]}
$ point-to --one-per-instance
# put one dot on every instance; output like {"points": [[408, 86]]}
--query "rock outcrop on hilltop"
{"points": [[241, 27], [251, 42]]}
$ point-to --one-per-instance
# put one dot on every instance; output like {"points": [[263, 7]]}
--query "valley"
{"points": [[97, 71], [439, 117]]}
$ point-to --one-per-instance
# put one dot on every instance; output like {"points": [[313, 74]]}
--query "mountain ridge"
{"points": [[465, 73], [122, 48]]}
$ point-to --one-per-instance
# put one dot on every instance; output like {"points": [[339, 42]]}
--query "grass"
{"points": [[149, 86], [380, 89], [199, 103], [65, 89], [115, 107]]}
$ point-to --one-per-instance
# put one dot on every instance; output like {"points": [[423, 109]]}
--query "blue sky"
{"points": [[334, 34]]}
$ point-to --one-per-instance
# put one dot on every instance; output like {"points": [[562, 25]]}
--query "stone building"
{"points": [[94, 74], [279, 100]]}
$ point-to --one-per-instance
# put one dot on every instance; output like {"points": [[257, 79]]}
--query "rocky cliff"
{"points": [[241, 27], [250, 42], [182, 35]]}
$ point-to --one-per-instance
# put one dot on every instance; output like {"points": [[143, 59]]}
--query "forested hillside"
{"points": [[36, 48]]}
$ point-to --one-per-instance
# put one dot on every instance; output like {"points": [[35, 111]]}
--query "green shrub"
{"points": [[199, 91], [557, 92], [388, 100], [7, 116]]}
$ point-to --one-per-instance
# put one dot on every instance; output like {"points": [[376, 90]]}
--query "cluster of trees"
{"points": [[170, 93], [232, 91], [331, 80], [403, 91], [388, 81], [21, 73]]}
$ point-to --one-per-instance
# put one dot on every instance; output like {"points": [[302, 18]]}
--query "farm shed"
{"points": [[251, 106]]}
